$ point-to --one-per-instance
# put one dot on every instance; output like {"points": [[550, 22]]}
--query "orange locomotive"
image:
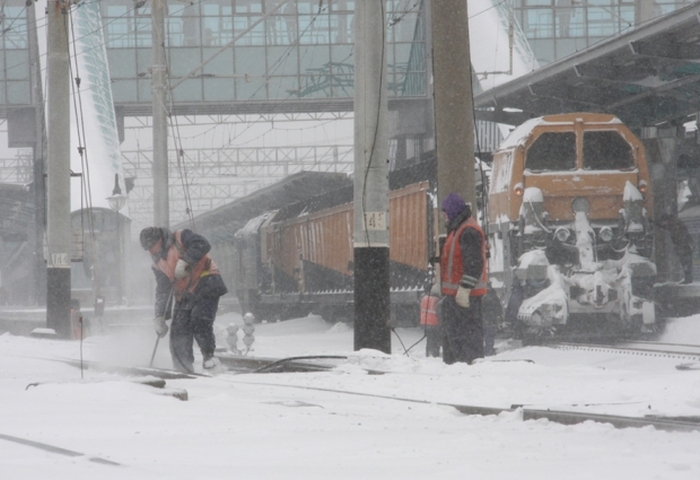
{"points": [[570, 208]]}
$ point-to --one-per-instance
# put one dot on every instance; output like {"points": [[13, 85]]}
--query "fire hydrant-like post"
{"points": [[248, 330]]}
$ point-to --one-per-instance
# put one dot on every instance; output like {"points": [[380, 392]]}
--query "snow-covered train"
{"points": [[299, 259], [570, 226]]}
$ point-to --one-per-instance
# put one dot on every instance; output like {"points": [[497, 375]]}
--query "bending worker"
{"points": [[184, 270], [463, 273]]}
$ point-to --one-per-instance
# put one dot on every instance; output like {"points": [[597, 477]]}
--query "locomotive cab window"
{"points": [[606, 150], [552, 151]]}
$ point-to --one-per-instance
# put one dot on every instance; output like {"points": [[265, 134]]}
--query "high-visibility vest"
{"points": [[205, 266], [428, 310], [451, 265]]}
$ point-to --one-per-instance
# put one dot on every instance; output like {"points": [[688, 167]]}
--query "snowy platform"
{"points": [[91, 424]]}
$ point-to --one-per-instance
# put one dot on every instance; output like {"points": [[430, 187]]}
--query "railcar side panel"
{"points": [[409, 228]]}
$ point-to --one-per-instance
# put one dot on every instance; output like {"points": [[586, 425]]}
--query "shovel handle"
{"points": [[153, 355]]}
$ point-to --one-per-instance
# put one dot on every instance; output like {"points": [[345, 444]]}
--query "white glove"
{"points": [[462, 297], [160, 326], [182, 269]]}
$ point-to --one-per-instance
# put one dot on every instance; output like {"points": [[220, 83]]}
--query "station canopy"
{"points": [[649, 76]]}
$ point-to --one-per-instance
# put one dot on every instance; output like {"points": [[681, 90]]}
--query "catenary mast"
{"points": [[371, 197], [161, 199], [58, 181]]}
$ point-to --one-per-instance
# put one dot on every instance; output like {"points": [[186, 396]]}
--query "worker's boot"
{"points": [[211, 363]]}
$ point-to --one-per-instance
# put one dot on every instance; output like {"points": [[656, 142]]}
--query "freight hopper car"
{"points": [[299, 259], [570, 208]]}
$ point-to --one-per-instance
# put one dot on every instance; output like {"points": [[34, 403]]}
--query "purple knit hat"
{"points": [[453, 205]]}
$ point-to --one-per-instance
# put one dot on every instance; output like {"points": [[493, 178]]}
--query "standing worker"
{"points": [[683, 241], [463, 273], [184, 270]]}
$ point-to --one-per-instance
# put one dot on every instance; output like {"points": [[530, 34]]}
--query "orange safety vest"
{"points": [[205, 266], [428, 310], [452, 267]]}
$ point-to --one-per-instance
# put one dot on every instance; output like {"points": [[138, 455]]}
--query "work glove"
{"points": [[160, 326], [182, 269], [462, 297]]}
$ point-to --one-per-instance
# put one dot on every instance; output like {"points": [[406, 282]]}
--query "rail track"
{"points": [[249, 365], [682, 351]]}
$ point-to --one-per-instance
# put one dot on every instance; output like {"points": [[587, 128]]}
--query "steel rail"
{"points": [[683, 424], [683, 351]]}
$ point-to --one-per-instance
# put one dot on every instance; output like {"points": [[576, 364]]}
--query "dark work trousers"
{"points": [[192, 320], [463, 332]]}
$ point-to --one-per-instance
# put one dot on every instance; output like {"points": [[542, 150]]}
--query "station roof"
{"points": [[648, 76]]}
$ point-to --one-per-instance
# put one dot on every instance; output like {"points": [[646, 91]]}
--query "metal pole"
{"points": [[39, 264], [120, 252], [454, 120], [371, 198], [161, 202], [59, 226]]}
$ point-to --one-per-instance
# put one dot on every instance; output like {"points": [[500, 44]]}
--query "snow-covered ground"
{"points": [[289, 426]]}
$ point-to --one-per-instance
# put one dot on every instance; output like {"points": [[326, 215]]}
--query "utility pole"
{"points": [[58, 184], [371, 197], [38, 264], [454, 118], [161, 200]]}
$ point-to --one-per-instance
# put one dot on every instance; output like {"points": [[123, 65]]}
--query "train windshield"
{"points": [[606, 150], [552, 151]]}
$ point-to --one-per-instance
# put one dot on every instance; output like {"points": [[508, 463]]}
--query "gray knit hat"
{"points": [[149, 236]]}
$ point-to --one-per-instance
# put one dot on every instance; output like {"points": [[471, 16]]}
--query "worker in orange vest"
{"points": [[186, 275], [463, 272]]}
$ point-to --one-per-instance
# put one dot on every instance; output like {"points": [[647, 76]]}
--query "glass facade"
{"points": [[558, 28], [302, 50], [14, 54]]}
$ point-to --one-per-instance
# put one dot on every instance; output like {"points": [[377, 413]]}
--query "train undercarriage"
{"points": [[577, 276]]}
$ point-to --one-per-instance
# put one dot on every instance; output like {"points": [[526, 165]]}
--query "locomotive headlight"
{"points": [[580, 204], [562, 234], [605, 234], [643, 186], [518, 189]]}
